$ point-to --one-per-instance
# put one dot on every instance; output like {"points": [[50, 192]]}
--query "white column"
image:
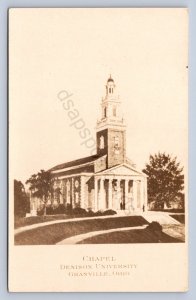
{"points": [[141, 195], [145, 195], [33, 211], [118, 195], [61, 192], [72, 193], [127, 200], [101, 194], [134, 195], [82, 204], [96, 204], [68, 191], [110, 194]]}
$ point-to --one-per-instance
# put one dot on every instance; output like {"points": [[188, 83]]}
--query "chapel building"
{"points": [[108, 179]]}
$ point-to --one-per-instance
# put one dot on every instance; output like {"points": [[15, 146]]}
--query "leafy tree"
{"points": [[41, 186], [21, 200], [165, 179]]}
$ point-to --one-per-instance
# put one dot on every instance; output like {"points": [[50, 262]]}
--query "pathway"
{"points": [[161, 217], [38, 225], [78, 238]]}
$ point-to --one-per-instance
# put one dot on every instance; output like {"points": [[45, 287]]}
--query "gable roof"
{"points": [[77, 162]]}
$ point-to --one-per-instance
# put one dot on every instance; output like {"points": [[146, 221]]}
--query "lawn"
{"points": [[131, 236], [21, 222], [52, 234], [75, 213]]}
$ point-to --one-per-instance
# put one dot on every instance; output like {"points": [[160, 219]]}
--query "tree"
{"points": [[21, 200], [165, 179], [41, 186]]}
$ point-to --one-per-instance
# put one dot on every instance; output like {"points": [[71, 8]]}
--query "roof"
{"points": [[76, 162]]}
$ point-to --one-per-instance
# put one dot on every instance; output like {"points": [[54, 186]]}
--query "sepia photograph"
{"points": [[102, 198], [98, 110]]}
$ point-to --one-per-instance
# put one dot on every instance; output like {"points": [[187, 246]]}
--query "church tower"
{"points": [[111, 128]]}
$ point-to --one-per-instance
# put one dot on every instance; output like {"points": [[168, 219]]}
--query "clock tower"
{"points": [[111, 128]]}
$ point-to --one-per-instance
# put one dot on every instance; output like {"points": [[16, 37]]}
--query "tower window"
{"points": [[105, 112], [110, 90], [116, 145], [116, 141]]}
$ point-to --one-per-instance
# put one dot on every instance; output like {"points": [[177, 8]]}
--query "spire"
{"points": [[110, 79], [110, 87], [111, 114]]}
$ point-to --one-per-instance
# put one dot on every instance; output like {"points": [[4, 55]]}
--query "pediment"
{"points": [[123, 170]]}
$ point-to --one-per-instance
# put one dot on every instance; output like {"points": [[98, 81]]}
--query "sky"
{"points": [[75, 51]]}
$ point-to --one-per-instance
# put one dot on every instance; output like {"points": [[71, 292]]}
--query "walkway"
{"points": [[38, 225], [161, 217], [78, 238]]}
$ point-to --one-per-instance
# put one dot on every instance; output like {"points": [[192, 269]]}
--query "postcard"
{"points": [[98, 149]]}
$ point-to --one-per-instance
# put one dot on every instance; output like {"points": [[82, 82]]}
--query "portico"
{"points": [[120, 193]]}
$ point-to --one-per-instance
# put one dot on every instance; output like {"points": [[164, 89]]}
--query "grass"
{"points": [[179, 218], [21, 221], [171, 210], [131, 236], [52, 234]]}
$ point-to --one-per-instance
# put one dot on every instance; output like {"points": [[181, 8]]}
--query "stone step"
{"points": [[160, 217], [123, 212]]}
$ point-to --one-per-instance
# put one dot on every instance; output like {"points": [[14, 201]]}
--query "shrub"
{"points": [[109, 212], [40, 212], [91, 213], [98, 213], [79, 211], [49, 210], [59, 209], [154, 226], [68, 208]]}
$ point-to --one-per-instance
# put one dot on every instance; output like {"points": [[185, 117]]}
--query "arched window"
{"points": [[114, 111], [110, 90]]}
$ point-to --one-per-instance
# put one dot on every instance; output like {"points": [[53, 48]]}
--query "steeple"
{"points": [[110, 87], [111, 107], [111, 127]]}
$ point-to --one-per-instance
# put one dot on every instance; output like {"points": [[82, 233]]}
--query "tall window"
{"points": [[116, 141], [76, 197], [105, 112]]}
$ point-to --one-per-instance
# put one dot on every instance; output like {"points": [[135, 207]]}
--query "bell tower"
{"points": [[111, 127]]}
